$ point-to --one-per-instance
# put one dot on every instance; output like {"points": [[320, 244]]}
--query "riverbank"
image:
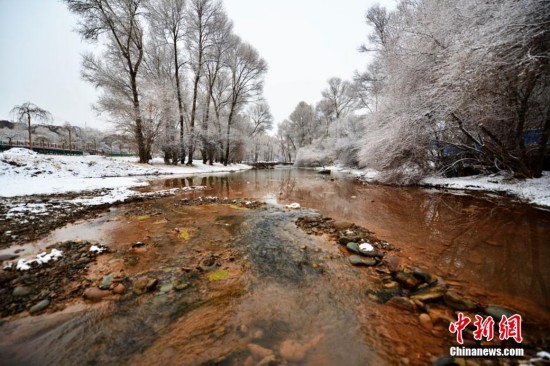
{"points": [[24, 172], [535, 191]]}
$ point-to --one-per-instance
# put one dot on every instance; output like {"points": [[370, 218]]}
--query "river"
{"points": [[273, 307]]}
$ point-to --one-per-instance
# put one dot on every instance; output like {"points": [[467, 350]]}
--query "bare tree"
{"points": [[167, 18], [27, 111], [246, 71], [201, 23], [261, 118], [118, 75]]}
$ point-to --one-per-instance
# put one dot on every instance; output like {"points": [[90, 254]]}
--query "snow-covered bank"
{"points": [[535, 191], [24, 172]]}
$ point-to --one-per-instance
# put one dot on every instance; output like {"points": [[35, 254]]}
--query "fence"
{"points": [[41, 148]]}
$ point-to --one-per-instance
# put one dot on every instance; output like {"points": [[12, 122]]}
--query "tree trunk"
{"points": [[30, 134], [142, 149], [229, 120], [538, 163], [180, 102], [194, 110]]}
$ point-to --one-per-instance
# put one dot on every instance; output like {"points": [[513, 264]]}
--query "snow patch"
{"points": [[535, 190], [42, 258], [24, 172], [97, 249], [294, 206], [366, 247]]}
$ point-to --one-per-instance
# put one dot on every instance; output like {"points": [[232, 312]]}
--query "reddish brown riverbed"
{"points": [[268, 305]]}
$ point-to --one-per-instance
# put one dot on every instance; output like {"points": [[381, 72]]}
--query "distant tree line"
{"points": [[174, 76]]}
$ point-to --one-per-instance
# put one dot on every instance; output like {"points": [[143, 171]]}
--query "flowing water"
{"points": [[283, 302]]}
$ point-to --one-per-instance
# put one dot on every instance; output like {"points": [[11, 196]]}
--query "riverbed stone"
{"points": [[429, 294], [21, 291], [425, 321], [292, 351], [353, 247], [422, 275], [401, 302], [440, 315], [8, 257], [497, 311], [95, 294], [119, 289], [384, 295], [259, 351], [407, 279], [457, 302], [106, 282], [167, 287], [358, 261], [39, 306]]}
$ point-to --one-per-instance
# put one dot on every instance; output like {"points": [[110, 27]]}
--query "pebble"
{"points": [[407, 279], [401, 303], [429, 294], [425, 321], [498, 311], [119, 289], [259, 351], [39, 306], [453, 300], [166, 287], [21, 291], [358, 261], [106, 282], [95, 294], [8, 257], [292, 351]]}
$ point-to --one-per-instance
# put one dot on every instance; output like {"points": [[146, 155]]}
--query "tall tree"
{"points": [[246, 72], [27, 111], [167, 18], [117, 73], [201, 20]]}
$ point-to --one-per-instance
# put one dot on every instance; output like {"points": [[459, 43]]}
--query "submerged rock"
{"points": [[498, 311], [456, 302]]}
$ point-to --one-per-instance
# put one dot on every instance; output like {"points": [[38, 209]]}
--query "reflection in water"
{"points": [[488, 242]]}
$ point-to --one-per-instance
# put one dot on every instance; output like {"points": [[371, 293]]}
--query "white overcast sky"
{"points": [[305, 42]]}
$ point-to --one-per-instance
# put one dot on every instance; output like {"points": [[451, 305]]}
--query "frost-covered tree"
{"points": [[167, 20], [117, 72], [246, 70], [28, 111], [458, 86]]}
